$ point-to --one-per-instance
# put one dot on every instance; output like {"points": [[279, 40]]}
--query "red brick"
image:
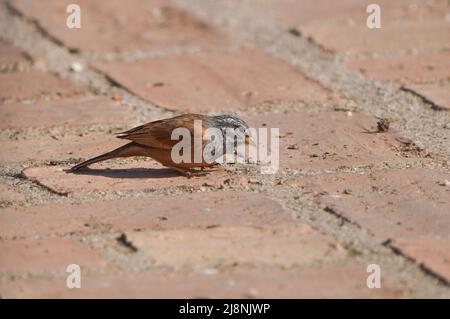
{"points": [[40, 256], [432, 253], [439, 94], [11, 58], [42, 148], [215, 80], [409, 207], [218, 247], [74, 112], [194, 211], [407, 35], [418, 68], [333, 281], [342, 26], [390, 204], [34, 85], [134, 25], [317, 12], [138, 176], [329, 140], [8, 195]]}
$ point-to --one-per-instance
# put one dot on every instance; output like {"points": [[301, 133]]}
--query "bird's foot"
{"points": [[189, 173]]}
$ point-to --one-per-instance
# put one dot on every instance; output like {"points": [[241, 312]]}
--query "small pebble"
{"points": [[209, 271], [444, 183], [76, 67], [295, 32], [252, 293], [383, 125]]}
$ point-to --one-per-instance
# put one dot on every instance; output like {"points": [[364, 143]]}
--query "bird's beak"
{"points": [[249, 141]]}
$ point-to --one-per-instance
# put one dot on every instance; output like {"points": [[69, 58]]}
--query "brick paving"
{"points": [[12, 58], [406, 25], [47, 255], [347, 143], [346, 195], [64, 113], [124, 26], [321, 282], [34, 85], [41, 148], [215, 81], [407, 69], [437, 94]]}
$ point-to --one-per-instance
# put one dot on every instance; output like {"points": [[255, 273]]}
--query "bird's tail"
{"points": [[127, 150]]}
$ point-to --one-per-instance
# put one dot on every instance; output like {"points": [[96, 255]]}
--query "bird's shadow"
{"points": [[131, 173]]}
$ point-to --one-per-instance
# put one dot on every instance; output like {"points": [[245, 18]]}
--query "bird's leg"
{"points": [[189, 173]]}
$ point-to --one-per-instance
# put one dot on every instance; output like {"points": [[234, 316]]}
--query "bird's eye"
{"points": [[249, 140]]}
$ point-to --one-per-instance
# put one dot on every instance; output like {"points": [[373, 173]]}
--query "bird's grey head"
{"points": [[228, 121], [234, 132]]}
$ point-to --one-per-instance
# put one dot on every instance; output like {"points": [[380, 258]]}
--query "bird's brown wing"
{"points": [[158, 134]]}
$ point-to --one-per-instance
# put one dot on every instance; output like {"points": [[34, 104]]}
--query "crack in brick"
{"points": [[44, 187], [15, 12], [343, 219], [123, 240], [426, 270], [426, 100]]}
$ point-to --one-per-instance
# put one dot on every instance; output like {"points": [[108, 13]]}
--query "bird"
{"points": [[154, 139]]}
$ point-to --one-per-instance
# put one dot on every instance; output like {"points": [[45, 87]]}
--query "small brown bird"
{"points": [[154, 140]]}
